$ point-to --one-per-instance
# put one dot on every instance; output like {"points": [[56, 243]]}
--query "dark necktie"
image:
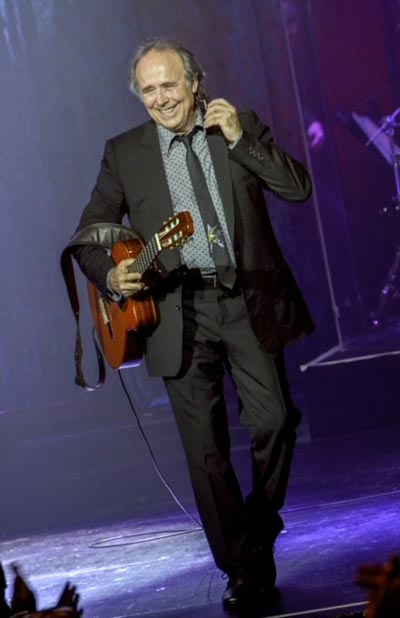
{"points": [[215, 236]]}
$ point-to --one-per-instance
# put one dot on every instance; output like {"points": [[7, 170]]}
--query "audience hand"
{"points": [[23, 600], [383, 583]]}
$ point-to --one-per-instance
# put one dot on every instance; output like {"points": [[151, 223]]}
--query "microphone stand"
{"points": [[390, 291]]}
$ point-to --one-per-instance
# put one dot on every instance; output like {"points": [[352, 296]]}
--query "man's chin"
{"points": [[169, 123]]}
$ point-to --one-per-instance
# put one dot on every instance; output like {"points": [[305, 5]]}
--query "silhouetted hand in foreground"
{"points": [[23, 600], [5, 610], [383, 584], [69, 598]]}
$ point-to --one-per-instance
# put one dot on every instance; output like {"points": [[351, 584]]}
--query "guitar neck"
{"points": [[147, 256], [177, 230]]}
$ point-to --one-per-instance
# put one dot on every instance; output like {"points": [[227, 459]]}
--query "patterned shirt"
{"points": [[195, 253]]}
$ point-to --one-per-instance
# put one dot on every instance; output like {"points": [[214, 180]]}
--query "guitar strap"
{"points": [[98, 234]]}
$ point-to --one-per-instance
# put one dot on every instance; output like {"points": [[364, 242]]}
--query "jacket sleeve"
{"points": [[107, 205], [256, 150]]}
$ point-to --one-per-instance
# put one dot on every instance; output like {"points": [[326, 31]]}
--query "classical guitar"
{"points": [[122, 326]]}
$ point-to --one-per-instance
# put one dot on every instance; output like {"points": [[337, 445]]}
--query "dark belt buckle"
{"points": [[214, 281], [210, 281]]}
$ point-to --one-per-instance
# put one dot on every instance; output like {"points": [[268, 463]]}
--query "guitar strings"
{"points": [[145, 257]]}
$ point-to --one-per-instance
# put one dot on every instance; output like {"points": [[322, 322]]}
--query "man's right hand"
{"points": [[124, 282]]}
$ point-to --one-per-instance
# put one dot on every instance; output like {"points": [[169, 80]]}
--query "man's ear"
{"points": [[195, 84]]}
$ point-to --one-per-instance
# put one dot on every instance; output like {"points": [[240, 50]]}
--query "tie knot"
{"points": [[188, 138]]}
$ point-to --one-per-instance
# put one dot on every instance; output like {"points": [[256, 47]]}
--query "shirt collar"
{"points": [[166, 137]]}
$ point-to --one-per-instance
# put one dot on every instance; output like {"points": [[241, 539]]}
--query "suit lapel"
{"points": [[153, 167], [220, 158]]}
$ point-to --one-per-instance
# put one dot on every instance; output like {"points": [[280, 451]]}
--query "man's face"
{"points": [[165, 91]]}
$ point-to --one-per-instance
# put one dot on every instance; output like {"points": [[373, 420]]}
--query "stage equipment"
{"points": [[390, 291]]}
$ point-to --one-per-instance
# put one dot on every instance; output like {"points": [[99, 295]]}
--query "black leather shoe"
{"points": [[237, 593]]}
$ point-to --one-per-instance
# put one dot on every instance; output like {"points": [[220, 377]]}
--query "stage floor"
{"points": [[342, 510]]}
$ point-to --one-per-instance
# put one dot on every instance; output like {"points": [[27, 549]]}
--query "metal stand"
{"points": [[390, 291]]}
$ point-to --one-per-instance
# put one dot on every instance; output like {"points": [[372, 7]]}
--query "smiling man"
{"points": [[166, 92], [227, 300]]}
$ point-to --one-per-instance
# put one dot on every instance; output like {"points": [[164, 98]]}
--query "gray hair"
{"points": [[192, 68]]}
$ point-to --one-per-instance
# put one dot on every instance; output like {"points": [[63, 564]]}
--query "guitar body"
{"points": [[122, 326]]}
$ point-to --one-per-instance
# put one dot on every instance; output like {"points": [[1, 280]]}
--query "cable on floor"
{"points": [[160, 534]]}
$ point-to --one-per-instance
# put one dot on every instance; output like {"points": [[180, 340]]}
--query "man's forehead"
{"points": [[154, 59], [159, 62]]}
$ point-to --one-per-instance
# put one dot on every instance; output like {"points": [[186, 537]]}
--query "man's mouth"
{"points": [[168, 111]]}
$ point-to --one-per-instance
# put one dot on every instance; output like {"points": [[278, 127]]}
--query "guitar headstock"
{"points": [[176, 231]]}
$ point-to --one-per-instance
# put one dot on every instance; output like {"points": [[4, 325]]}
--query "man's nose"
{"points": [[161, 96]]}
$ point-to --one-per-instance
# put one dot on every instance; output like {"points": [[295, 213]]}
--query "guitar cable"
{"points": [[161, 534]]}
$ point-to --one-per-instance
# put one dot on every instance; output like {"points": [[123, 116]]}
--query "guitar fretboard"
{"points": [[146, 256]]}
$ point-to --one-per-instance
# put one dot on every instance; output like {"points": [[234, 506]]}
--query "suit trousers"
{"points": [[218, 336]]}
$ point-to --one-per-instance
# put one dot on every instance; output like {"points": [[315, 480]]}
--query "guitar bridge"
{"points": [[103, 310], [105, 315]]}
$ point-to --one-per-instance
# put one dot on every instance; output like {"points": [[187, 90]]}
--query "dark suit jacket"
{"points": [[132, 182]]}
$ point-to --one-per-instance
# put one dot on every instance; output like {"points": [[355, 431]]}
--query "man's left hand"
{"points": [[220, 113]]}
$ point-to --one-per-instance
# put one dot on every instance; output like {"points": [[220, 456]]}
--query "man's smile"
{"points": [[168, 110]]}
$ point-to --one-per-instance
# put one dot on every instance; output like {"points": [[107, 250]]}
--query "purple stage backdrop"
{"points": [[64, 70]]}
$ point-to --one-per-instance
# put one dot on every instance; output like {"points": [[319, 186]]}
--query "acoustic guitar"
{"points": [[122, 326]]}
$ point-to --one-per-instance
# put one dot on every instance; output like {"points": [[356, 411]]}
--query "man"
{"points": [[226, 298]]}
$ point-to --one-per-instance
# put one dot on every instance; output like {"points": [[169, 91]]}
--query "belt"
{"points": [[210, 282], [195, 280]]}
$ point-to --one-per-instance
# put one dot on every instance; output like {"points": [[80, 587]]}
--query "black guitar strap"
{"points": [[99, 234]]}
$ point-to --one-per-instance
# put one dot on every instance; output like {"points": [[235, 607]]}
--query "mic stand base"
{"points": [[389, 294]]}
